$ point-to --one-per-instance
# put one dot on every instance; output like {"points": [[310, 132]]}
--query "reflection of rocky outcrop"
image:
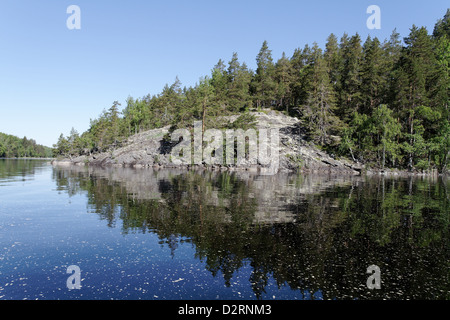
{"points": [[273, 193], [310, 233]]}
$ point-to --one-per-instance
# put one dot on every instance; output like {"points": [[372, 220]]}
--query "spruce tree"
{"points": [[321, 103]]}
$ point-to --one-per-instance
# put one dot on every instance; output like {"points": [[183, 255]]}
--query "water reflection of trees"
{"points": [[338, 229], [19, 169]]}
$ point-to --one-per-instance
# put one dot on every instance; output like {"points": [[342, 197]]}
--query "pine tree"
{"points": [[113, 130], [134, 115], [73, 141], [442, 27], [284, 79], [61, 148], [219, 82], [264, 83], [392, 50], [205, 98], [350, 86], [333, 60], [440, 91], [373, 75], [239, 78], [301, 65]]}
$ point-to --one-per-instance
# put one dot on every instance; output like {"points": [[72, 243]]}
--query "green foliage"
{"points": [[319, 110], [350, 94], [385, 130], [442, 27], [245, 121], [238, 85], [15, 147], [264, 86], [373, 138]]}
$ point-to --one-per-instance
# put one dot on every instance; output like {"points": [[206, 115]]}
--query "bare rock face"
{"points": [[153, 149], [296, 152]]}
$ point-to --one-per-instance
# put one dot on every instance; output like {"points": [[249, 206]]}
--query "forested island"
{"points": [[15, 147], [378, 103]]}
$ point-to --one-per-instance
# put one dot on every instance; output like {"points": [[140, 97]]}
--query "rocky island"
{"points": [[152, 149]]}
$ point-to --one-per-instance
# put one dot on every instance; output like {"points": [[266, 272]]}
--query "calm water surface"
{"points": [[168, 234]]}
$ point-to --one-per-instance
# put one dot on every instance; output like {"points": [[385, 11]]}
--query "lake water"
{"points": [[168, 234]]}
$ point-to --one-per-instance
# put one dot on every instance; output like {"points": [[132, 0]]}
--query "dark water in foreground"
{"points": [[143, 234]]}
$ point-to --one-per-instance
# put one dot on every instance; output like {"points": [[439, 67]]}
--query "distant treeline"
{"points": [[15, 147], [379, 103]]}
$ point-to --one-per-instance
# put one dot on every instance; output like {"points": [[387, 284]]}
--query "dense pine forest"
{"points": [[384, 103], [15, 147]]}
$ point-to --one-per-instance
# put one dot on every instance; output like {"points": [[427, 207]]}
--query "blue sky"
{"points": [[53, 78]]}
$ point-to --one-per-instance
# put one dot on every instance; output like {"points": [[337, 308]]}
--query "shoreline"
{"points": [[389, 172], [295, 153], [26, 158]]}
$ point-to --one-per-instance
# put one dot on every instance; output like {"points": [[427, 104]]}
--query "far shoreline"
{"points": [[26, 158]]}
